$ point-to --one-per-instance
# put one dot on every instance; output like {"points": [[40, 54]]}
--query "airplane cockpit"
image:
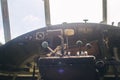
{"points": [[67, 51]]}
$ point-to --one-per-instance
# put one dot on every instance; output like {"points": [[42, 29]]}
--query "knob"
{"points": [[88, 46], [79, 43], [45, 44], [100, 63]]}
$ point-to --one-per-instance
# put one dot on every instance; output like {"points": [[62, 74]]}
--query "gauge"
{"points": [[39, 35]]}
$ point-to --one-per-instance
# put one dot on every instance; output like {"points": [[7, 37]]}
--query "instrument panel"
{"points": [[30, 44]]}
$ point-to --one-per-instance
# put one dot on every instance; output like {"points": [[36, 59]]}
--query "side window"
{"points": [[25, 16], [113, 11]]}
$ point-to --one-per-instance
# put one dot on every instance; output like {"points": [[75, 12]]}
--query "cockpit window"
{"points": [[75, 11], [25, 16], [28, 15], [113, 12]]}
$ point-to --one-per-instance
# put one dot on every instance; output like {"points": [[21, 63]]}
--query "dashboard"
{"points": [[77, 36]]}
